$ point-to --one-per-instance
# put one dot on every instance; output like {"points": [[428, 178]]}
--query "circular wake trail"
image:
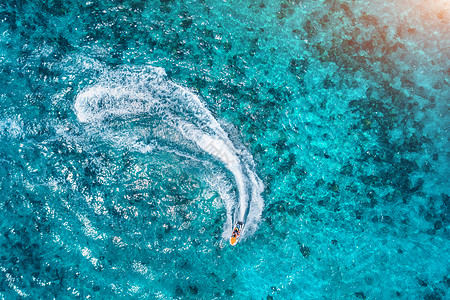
{"points": [[183, 119]]}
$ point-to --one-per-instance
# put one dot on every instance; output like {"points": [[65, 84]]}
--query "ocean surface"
{"points": [[134, 134]]}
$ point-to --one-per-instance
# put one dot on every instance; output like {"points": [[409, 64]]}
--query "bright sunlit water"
{"points": [[134, 134]]}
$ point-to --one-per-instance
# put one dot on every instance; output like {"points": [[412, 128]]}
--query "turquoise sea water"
{"points": [[133, 134]]}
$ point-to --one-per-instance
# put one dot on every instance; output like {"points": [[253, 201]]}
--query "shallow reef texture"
{"points": [[342, 104]]}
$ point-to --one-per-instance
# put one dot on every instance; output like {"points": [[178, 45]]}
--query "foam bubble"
{"points": [[11, 128]]}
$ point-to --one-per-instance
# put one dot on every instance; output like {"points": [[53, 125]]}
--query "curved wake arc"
{"points": [[131, 93]]}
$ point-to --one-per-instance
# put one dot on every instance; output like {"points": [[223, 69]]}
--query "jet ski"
{"points": [[236, 233]]}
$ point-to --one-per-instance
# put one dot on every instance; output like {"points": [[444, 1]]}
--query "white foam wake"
{"points": [[178, 115]]}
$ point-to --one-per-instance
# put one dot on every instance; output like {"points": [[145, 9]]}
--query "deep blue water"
{"points": [[133, 134]]}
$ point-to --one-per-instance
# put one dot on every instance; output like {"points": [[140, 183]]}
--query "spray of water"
{"points": [[177, 115]]}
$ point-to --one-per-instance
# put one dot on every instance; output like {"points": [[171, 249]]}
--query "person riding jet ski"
{"points": [[236, 233]]}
